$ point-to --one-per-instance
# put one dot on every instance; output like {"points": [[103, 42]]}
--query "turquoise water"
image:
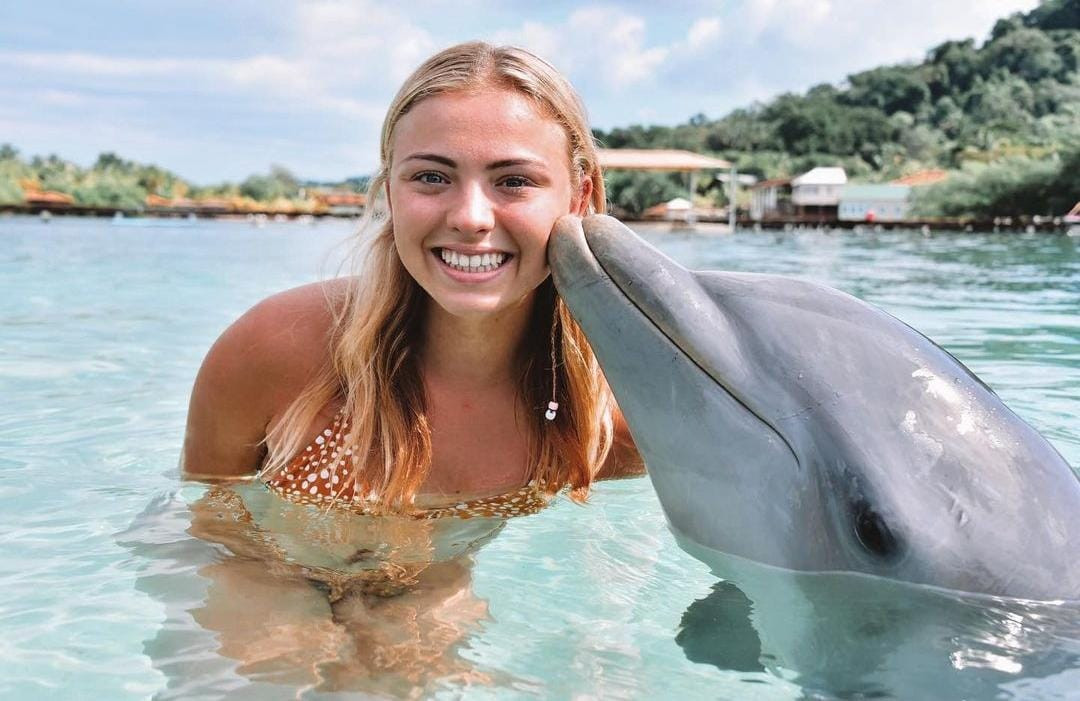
{"points": [[108, 595]]}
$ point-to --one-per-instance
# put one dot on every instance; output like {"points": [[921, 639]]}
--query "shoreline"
{"points": [[46, 210], [1018, 224]]}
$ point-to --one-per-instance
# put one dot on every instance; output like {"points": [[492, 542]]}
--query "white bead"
{"points": [[550, 414], [553, 405]]}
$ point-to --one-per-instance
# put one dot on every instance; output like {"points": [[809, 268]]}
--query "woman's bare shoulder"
{"points": [[258, 365], [282, 340]]}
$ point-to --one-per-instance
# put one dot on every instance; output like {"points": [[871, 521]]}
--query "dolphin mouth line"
{"points": [[734, 397]]}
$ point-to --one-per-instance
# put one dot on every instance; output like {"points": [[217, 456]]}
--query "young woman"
{"points": [[446, 377]]}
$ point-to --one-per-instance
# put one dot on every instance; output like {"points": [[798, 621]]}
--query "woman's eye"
{"points": [[431, 178], [515, 181]]}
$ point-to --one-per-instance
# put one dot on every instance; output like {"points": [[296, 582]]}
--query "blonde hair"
{"points": [[376, 327]]}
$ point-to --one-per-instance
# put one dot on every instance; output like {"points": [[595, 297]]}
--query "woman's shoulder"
{"points": [[287, 333], [258, 365]]}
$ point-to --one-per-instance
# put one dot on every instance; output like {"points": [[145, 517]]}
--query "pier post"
{"points": [[733, 184]]}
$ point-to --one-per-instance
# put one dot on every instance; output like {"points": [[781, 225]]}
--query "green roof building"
{"points": [[874, 203]]}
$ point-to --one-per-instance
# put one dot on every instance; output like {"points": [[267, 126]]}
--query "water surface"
{"points": [[108, 594]]}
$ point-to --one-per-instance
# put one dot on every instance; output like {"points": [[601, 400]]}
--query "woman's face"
{"points": [[476, 184]]}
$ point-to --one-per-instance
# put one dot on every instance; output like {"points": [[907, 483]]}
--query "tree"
{"points": [[1006, 188], [955, 67], [110, 161], [10, 192], [265, 188], [635, 191], [890, 89], [1028, 53], [1003, 105], [1055, 14], [1006, 25], [742, 130]]}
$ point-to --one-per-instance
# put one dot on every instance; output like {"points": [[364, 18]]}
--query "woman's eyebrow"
{"points": [[514, 162], [431, 157]]}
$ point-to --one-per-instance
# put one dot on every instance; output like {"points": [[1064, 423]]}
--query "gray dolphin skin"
{"points": [[791, 424]]}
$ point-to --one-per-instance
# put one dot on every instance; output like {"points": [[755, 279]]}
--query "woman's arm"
{"points": [[225, 423], [252, 372]]}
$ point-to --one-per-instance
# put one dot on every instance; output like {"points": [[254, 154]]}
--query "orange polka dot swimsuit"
{"points": [[319, 475]]}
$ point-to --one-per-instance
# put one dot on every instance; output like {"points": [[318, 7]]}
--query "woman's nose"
{"points": [[472, 211]]}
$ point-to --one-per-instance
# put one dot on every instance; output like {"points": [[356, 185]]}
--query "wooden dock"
{"points": [[1025, 224]]}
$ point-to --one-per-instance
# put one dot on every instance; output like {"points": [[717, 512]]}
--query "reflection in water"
{"points": [[717, 630], [852, 636], [315, 599]]}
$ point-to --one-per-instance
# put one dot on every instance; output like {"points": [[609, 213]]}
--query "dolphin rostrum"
{"points": [[794, 425]]}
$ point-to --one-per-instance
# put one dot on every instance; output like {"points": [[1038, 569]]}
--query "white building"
{"points": [[875, 203], [771, 199], [819, 187]]}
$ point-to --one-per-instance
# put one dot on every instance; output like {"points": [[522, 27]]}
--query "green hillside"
{"points": [[1005, 115]]}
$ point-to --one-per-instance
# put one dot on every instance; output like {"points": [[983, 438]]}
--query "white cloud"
{"points": [[609, 51], [703, 33], [622, 52], [599, 45], [794, 18], [80, 63], [865, 31], [340, 53], [364, 40]]}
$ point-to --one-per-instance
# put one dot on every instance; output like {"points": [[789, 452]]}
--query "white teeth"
{"points": [[479, 263]]}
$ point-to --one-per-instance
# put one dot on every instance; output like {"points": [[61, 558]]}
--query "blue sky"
{"points": [[219, 90]]}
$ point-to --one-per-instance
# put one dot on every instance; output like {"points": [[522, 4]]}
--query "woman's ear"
{"points": [[581, 202], [389, 204]]}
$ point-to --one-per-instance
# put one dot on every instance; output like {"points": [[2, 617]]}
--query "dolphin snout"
{"points": [[572, 263]]}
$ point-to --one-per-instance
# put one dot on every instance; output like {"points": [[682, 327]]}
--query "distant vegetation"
{"points": [[111, 182], [118, 183], [1004, 115]]}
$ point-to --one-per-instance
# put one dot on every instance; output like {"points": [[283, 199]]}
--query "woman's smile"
{"points": [[472, 265]]}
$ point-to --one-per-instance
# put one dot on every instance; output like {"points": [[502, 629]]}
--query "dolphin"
{"points": [[793, 425]]}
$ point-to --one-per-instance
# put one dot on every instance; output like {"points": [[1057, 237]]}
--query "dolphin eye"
{"points": [[872, 532]]}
